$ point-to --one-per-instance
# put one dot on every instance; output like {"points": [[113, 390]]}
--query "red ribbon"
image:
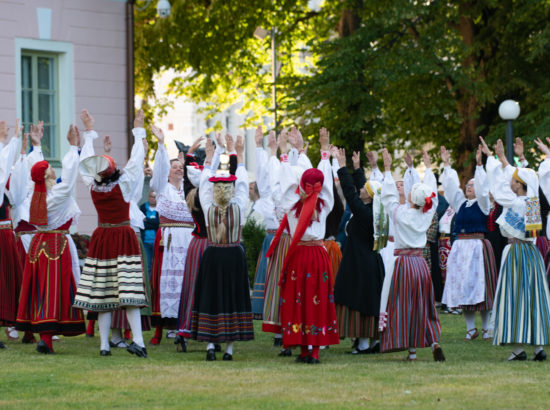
{"points": [[428, 203]]}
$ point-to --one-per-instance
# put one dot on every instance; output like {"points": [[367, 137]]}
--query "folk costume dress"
{"points": [[10, 264], [222, 311], [412, 317], [171, 245], [113, 275], [308, 315], [471, 268], [264, 206], [52, 270], [360, 278], [521, 309], [279, 245]]}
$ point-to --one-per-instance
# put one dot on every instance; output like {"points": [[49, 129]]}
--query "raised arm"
{"points": [[161, 168], [324, 166], [241, 184], [9, 154], [133, 171], [69, 173], [481, 185], [205, 187], [89, 136], [449, 179]]}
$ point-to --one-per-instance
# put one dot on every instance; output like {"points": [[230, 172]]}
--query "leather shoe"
{"points": [[122, 344], [2, 345], [227, 357], [210, 355], [302, 359], [374, 348], [217, 347], [521, 356], [437, 353], [540, 356], [42, 347], [285, 353], [182, 345], [28, 341], [277, 341], [105, 353], [137, 350]]}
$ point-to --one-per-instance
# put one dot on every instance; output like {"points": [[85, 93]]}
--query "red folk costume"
{"points": [[308, 314], [49, 279]]}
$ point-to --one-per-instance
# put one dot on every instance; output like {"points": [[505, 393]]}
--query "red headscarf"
{"points": [[39, 208]]}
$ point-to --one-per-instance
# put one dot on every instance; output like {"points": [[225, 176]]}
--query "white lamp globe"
{"points": [[508, 110], [163, 8]]}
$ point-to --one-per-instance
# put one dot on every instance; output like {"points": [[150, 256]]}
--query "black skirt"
{"points": [[222, 311]]}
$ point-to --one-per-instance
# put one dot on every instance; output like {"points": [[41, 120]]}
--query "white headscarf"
{"points": [[421, 195]]}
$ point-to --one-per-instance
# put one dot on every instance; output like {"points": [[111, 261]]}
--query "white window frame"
{"points": [[65, 82]]}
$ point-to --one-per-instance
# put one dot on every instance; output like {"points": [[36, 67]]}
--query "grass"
{"points": [[476, 374]]}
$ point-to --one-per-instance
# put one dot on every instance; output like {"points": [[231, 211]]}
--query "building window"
{"points": [[40, 97]]}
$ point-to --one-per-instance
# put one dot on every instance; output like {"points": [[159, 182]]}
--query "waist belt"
{"points": [[513, 241], [21, 233], [470, 236], [224, 245], [408, 252], [311, 243], [177, 225], [106, 225], [444, 236], [6, 226], [271, 231], [59, 231]]}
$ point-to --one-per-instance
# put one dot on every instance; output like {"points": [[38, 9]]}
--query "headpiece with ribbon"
{"points": [[98, 167], [422, 195], [39, 207]]}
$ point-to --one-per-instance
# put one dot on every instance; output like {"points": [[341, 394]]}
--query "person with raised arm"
{"points": [[471, 267], [521, 308], [113, 274], [359, 281], [412, 316], [52, 270], [172, 242], [222, 311], [308, 316], [10, 264]]}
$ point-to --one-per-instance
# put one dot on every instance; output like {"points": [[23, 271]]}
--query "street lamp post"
{"points": [[509, 110]]}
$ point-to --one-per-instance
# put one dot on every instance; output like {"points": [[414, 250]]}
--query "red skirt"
{"points": [[48, 289], [10, 277], [335, 255], [156, 270], [308, 315]]}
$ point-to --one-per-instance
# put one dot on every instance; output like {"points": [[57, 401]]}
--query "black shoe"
{"points": [[312, 360], [217, 347], [2, 345], [137, 350], [374, 348], [121, 344], [358, 351], [227, 357], [438, 354], [42, 347], [285, 353], [540, 356], [277, 341], [302, 359], [355, 343], [28, 341], [210, 355], [521, 356], [105, 353], [182, 345], [178, 339]]}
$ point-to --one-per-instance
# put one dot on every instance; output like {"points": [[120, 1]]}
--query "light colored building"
{"points": [[58, 57]]}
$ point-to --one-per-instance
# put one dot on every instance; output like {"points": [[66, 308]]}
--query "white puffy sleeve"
{"points": [[274, 167], [161, 169], [390, 196], [288, 182], [327, 193], [376, 175], [410, 178], [262, 173], [88, 151], [544, 177], [206, 191], [303, 161], [133, 170], [241, 190], [34, 156], [481, 187], [451, 185], [499, 184], [9, 154], [20, 182], [65, 189]]}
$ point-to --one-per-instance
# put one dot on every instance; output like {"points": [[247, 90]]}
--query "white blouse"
{"points": [[455, 196], [8, 155]]}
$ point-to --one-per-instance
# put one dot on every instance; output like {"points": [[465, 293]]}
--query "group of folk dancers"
{"points": [[379, 291]]}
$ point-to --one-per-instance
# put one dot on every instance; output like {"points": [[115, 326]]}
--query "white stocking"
{"points": [[134, 319], [104, 324], [363, 343], [210, 346], [470, 320], [116, 335], [485, 317], [229, 349]]}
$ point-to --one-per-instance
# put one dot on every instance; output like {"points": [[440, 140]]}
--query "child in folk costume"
{"points": [[412, 316], [10, 264], [521, 310], [471, 268], [52, 270], [308, 316], [113, 274], [359, 281], [222, 310], [172, 241]]}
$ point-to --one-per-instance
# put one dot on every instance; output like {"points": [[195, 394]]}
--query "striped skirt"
{"points": [[113, 273], [412, 316], [352, 323], [11, 273], [192, 263], [521, 312], [335, 255], [444, 250], [257, 299], [272, 301]]}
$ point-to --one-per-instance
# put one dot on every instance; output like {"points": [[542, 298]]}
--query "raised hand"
{"points": [[445, 156], [372, 157], [272, 142], [181, 157], [220, 139], [209, 149], [18, 129], [356, 160], [73, 136], [426, 159], [386, 157], [408, 158], [24, 143], [145, 145], [518, 148], [324, 138], [157, 132], [36, 135], [87, 120], [107, 144], [139, 119], [333, 151], [341, 156], [501, 153], [542, 146], [3, 131], [283, 146], [196, 144], [259, 137], [306, 147], [478, 156], [230, 143], [148, 171], [484, 148], [239, 147]]}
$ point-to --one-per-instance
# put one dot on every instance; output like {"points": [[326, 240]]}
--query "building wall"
{"points": [[96, 29]]}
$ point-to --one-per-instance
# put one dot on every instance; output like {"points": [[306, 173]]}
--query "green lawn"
{"points": [[475, 375]]}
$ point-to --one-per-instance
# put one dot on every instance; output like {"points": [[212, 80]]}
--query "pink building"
{"points": [[58, 57]]}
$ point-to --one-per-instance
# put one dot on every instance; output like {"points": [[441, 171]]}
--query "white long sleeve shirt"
{"points": [[455, 196]]}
